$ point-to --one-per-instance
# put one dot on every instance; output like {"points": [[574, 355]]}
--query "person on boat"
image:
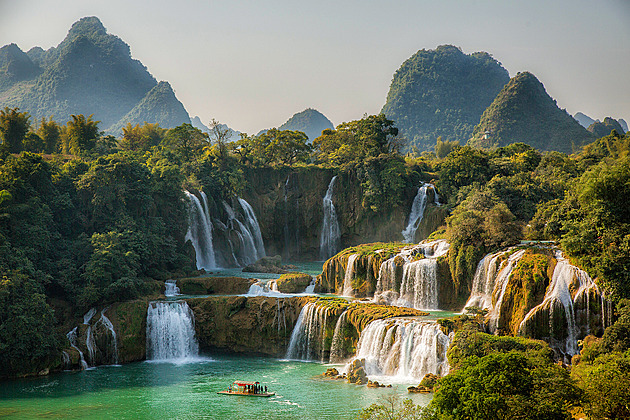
{"points": [[265, 389]]}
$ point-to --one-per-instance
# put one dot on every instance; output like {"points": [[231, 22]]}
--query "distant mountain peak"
{"points": [[524, 112], [87, 26], [310, 121], [442, 93]]}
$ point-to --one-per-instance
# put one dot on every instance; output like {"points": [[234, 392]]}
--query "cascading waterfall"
{"points": [[483, 281], [416, 214], [72, 338], [251, 246], [309, 333], [418, 285], [252, 222], [330, 235], [310, 289], [171, 332], [249, 252], [403, 348], [348, 275], [90, 344], [109, 349], [565, 278], [170, 288], [200, 231], [336, 347]]}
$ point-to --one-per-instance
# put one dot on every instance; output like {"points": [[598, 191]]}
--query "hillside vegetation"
{"points": [[89, 72], [442, 93], [524, 112]]}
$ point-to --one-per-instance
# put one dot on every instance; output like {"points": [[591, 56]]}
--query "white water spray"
{"points": [[171, 332], [329, 242]]}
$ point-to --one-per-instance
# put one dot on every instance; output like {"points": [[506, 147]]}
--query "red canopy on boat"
{"points": [[243, 383]]}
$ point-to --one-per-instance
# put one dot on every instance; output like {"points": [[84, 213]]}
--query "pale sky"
{"points": [[253, 63]]}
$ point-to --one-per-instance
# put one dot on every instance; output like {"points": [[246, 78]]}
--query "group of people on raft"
{"points": [[250, 389]]}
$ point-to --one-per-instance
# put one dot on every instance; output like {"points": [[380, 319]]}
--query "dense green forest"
{"points": [[87, 218]]}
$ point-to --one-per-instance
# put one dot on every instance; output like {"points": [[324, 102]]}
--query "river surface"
{"points": [[148, 390]]}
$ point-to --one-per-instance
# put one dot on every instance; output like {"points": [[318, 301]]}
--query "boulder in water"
{"points": [[293, 282], [356, 372], [268, 265]]}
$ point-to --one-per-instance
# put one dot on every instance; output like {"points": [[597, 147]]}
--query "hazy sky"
{"points": [[253, 64]]}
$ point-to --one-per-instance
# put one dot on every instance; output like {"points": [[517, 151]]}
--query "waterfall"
{"points": [[309, 334], [88, 316], [109, 349], [418, 284], [403, 348], [483, 281], [336, 347], [200, 231], [565, 279], [416, 214], [171, 332], [330, 235], [170, 288], [72, 338], [310, 289], [348, 275], [254, 227]]}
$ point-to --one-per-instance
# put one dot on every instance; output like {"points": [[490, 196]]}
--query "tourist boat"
{"points": [[248, 389]]}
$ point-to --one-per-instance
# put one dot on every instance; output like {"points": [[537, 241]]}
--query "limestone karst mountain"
{"points": [[310, 121], [524, 112], [89, 72], [442, 92]]}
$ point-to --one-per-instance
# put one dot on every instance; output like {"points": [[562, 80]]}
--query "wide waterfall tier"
{"points": [[330, 236], [411, 277], [171, 332], [308, 339], [524, 296], [404, 348], [200, 231], [416, 214]]}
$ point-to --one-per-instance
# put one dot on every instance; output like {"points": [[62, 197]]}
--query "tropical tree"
{"points": [[13, 127], [50, 133], [186, 141], [81, 134]]}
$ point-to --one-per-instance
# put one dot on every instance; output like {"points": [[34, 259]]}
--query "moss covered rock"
{"points": [[214, 285], [293, 282], [251, 325]]}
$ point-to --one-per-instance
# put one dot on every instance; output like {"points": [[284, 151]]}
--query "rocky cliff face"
{"points": [[288, 204], [250, 325]]}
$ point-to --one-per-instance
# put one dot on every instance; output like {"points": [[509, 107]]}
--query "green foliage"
{"points": [[82, 134], [464, 166], [280, 147], [141, 138], [444, 147], [27, 339], [505, 385], [442, 92], [357, 140], [50, 133], [391, 408], [310, 121], [606, 385], [524, 112], [186, 141], [13, 128]]}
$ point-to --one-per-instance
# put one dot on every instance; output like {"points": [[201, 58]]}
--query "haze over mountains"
{"points": [[444, 93]]}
